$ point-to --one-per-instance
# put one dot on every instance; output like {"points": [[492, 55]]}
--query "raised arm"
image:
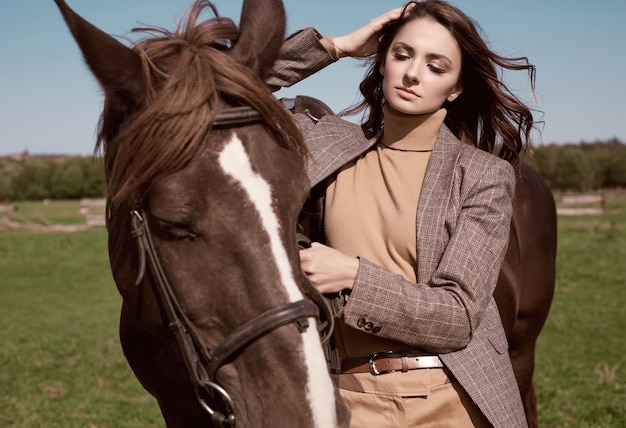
{"points": [[301, 55], [306, 52]]}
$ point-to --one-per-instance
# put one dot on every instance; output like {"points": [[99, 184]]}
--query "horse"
{"points": [[527, 278], [206, 175], [525, 286]]}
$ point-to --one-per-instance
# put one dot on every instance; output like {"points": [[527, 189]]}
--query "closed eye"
{"points": [[436, 69], [401, 57], [175, 231]]}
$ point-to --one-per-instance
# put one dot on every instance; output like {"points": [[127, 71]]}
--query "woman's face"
{"points": [[422, 68]]}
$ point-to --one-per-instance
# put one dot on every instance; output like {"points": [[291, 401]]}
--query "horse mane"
{"points": [[188, 74]]}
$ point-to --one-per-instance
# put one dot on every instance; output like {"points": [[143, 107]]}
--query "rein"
{"points": [[202, 364]]}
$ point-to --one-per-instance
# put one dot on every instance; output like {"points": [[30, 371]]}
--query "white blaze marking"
{"points": [[320, 393]]}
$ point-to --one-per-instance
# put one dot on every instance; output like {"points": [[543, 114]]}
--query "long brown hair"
{"points": [[486, 113]]}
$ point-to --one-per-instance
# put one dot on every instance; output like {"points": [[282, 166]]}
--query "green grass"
{"points": [[61, 364], [60, 358], [581, 356]]}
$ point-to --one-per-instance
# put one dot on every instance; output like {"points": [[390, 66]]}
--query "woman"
{"points": [[415, 219]]}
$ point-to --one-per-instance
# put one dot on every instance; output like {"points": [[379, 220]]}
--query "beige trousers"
{"points": [[440, 401]]}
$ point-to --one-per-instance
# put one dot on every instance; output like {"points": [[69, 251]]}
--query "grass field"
{"points": [[581, 356], [62, 365]]}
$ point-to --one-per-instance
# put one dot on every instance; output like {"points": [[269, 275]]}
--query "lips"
{"points": [[407, 91]]}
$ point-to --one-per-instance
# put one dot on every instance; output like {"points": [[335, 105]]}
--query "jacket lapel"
{"points": [[434, 203]]}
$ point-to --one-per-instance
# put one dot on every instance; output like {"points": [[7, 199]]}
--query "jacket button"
{"points": [[368, 326], [376, 330], [361, 322]]}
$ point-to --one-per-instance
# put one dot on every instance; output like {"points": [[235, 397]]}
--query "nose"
{"points": [[412, 73]]}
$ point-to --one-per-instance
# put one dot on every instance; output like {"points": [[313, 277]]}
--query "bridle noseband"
{"points": [[202, 364]]}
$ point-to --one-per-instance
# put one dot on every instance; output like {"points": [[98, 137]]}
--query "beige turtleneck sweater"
{"points": [[371, 207]]}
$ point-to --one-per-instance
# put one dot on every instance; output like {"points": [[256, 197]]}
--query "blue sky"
{"points": [[50, 103]]}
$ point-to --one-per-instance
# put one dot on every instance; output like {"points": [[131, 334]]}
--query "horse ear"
{"points": [[117, 67], [261, 34]]}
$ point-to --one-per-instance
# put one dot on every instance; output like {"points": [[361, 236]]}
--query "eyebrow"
{"points": [[411, 51]]}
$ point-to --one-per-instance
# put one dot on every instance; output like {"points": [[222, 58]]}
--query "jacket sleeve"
{"points": [[300, 56], [442, 315]]}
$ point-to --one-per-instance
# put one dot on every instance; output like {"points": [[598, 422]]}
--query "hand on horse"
{"points": [[363, 42], [329, 270]]}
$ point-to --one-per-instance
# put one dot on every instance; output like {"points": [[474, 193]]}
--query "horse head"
{"points": [[206, 176]]}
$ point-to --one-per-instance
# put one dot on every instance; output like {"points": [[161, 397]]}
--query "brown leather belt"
{"points": [[388, 361]]}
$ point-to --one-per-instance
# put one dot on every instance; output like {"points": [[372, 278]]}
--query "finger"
{"points": [[396, 13], [379, 22], [305, 261]]}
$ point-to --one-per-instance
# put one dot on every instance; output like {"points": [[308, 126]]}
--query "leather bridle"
{"points": [[202, 364]]}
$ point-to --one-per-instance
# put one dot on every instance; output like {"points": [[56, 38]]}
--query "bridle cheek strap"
{"points": [[202, 364]]}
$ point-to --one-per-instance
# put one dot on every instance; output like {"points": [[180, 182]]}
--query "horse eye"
{"points": [[176, 231]]}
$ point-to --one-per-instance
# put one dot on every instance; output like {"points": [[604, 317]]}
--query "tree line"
{"points": [[565, 167], [51, 177], [581, 167]]}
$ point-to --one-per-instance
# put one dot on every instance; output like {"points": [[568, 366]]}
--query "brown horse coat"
{"points": [[222, 206]]}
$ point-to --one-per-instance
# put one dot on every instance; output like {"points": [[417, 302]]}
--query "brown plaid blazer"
{"points": [[463, 220]]}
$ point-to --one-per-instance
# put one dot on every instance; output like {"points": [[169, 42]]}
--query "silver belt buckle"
{"points": [[373, 370]]}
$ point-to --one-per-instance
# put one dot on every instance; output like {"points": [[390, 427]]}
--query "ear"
{"points": [[117, 67], [455, 93], [261, 34]]}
